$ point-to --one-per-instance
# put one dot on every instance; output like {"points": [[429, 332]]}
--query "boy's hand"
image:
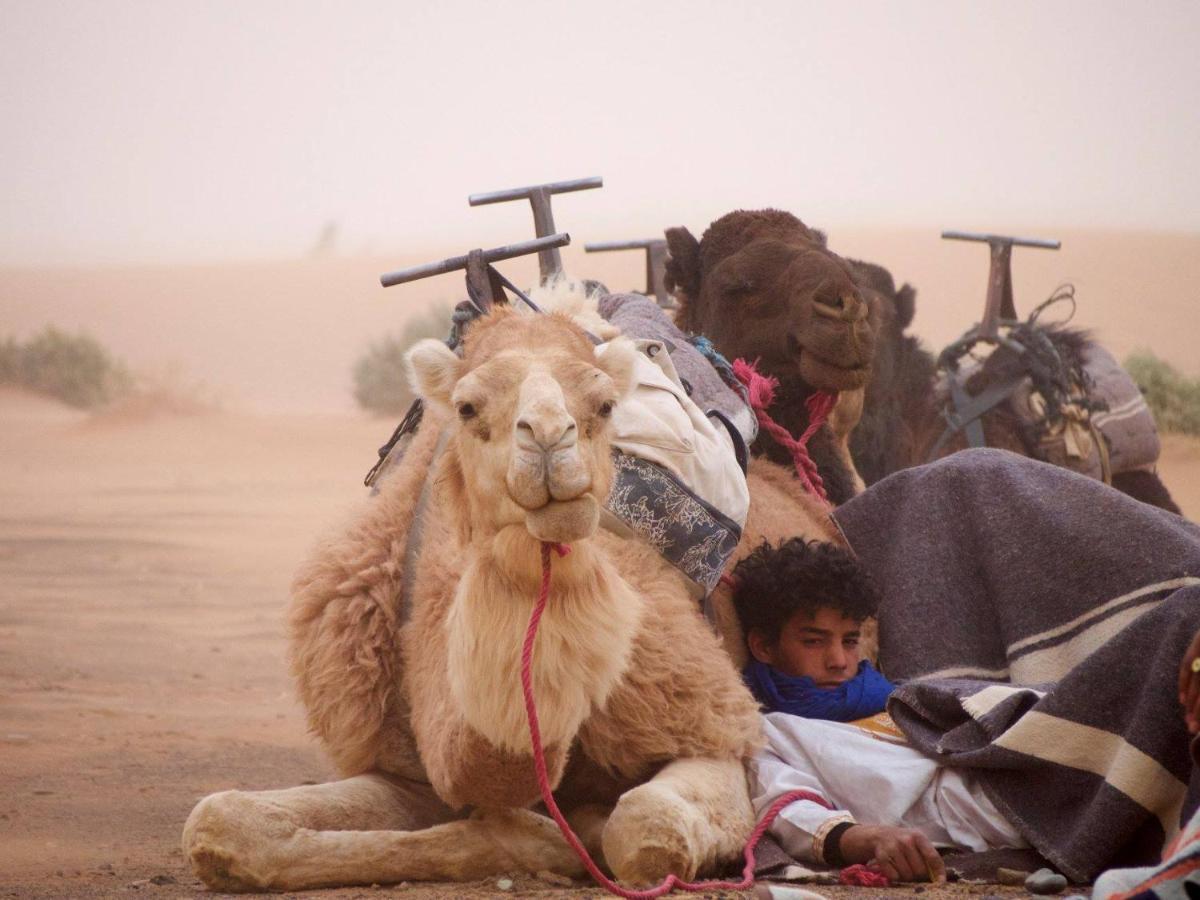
{"points": [[902, 854]]}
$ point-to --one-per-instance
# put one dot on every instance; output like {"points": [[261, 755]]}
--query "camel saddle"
{"points": [[1100, 427]]}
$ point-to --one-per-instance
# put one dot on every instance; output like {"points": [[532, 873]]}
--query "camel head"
{"points": [[762, 285], [531, 403]]}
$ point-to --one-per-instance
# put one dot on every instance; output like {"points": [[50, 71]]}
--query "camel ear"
{"points": [[618, 362], [906, 305], [683, 265], [433, 370]]}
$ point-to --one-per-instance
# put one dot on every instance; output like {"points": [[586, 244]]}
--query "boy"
{"points": [[801, 607]]}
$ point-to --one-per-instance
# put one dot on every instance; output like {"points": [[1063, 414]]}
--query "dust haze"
{"points": [[212, 189]]}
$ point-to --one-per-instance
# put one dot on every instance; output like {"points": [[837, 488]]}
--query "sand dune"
{"points": [[284, 335]]}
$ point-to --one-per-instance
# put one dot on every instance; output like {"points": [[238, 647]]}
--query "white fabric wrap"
{"points": [[659, 422]]}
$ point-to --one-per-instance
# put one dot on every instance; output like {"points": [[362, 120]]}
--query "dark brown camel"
{"points": [[763, 285]]}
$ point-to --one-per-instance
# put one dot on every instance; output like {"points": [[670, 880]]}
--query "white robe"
{"points": [[871, 779]]}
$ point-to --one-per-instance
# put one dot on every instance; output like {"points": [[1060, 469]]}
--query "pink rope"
{"points": [[760, 390], [859, 875], [539, 762]]}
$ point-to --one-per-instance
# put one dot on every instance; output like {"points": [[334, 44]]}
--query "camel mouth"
{"points": [[823, 374], [536, 504], [564, 521]]}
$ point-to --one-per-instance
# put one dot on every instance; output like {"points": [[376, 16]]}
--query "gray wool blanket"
{"points": [[1036, 619]]}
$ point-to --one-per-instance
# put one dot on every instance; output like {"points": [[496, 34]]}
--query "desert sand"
{"points": [[145, 555]]}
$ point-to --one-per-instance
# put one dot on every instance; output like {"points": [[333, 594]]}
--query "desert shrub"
{"points": [[1172, 396], [75, 369], [380, 383], [10, 361]]}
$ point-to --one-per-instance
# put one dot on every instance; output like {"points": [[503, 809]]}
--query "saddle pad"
{"points": [[677, 482], [1127, 424]]}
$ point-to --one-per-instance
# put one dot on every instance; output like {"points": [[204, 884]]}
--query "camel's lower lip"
{"points": [[798, 352]]}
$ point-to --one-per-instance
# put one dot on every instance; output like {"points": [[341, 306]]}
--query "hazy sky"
{"points": [[167, 130]]}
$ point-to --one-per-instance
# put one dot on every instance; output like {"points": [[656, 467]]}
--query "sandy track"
{"points": [[144, 568]]}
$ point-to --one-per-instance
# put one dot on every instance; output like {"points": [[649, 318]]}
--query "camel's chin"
{"points": [[564, 521], [826, 376]]}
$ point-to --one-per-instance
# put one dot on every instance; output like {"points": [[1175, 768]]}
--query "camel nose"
{"points": [[848, 307], [548, 432]]}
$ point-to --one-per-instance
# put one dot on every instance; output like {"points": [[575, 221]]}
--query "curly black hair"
{"points": [[772, 584]]}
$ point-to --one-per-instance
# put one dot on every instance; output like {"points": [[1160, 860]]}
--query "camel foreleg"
{"points": [[364, 830], [693, 819]]}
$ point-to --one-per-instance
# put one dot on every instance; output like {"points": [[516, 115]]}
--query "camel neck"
{"points": [[790, 411], [516, 556]]}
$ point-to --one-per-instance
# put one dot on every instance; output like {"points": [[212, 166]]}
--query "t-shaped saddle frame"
{"points": [[538, 195], [999, 304], [656, 264], [963, 410], [485, 287]]}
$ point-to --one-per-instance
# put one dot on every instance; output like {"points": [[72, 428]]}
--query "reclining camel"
{"points": [[407, 661]]}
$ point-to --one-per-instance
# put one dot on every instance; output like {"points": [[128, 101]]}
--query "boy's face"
{"points": [[823, 647]]}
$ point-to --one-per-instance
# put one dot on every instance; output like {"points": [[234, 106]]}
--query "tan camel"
{"points": [[645, 722]]}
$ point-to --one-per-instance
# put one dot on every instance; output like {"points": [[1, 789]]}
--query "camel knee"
{"points": [[224, 839]]}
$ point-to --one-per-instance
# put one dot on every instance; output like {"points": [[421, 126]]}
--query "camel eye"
{"points": [[466, 411], [605, 409]]}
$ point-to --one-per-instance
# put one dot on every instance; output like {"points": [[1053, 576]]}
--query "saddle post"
{"points": [[485, 285], [538, 195], [487, 257], [999, 303], [656, 264], [485, 288]]}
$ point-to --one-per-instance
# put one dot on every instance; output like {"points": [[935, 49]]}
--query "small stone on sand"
{"points": [[1045, 881]]}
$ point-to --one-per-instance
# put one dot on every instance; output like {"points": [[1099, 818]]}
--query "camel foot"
{"points": [[213, 844], [650, 835]]}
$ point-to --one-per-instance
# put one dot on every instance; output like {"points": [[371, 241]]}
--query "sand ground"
{"points": [[145, 558], [144, 565]]}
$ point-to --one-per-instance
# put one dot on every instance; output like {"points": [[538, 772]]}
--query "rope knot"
{"points": [[760, 391]]}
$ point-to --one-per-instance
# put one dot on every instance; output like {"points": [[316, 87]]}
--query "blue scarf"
{"points": [[863, 695]]}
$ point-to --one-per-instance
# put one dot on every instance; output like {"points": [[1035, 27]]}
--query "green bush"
{"points": [[1172, 396], [75, 369], [380, 382]]}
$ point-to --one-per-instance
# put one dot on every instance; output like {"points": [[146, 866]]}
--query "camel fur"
{"points": [[407, 663]]}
